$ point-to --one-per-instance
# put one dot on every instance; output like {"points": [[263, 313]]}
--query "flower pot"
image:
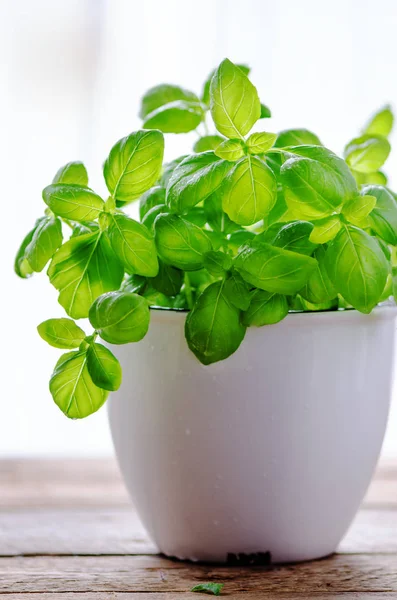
{"points": [[271, 450]]}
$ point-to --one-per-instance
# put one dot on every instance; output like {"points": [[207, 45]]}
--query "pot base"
{"points": [[256, 559]]}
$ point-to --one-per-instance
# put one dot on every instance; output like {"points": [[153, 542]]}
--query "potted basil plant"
{"points": [[234, 439]]}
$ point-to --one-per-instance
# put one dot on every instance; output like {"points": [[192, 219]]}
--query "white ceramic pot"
{"points": [[271, 450]]}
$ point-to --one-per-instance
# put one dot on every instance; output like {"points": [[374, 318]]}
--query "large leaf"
{"points": [[357, 267], [74, 202], [316, 182], [72, 388], [168, 281], [73, 172], [120, 317], [367, 153], [180, 243], [249, 192], [213, 329], [235, 105], [296, 137], [295, 237], [274, 269], [176, 117], [61, 333], [381, 123], [194, 179], [134, 165], [46, 239], [265, 309], [82, 269], [103, 367], [134, 246], [383, 217]]}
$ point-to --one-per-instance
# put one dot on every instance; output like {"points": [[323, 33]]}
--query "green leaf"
{"points": [[265, 112], [21, 266], [103, 367], [383, 217], [208, 588], [319, 288], [316, 182], [168, 281], [296, 137], [194, 179], [176, 117], [274, 269], [358, 208], [213, 329], [72, 388], [265, 309], [325, 230], [197, 216], [258, 143], [61, 333], [73, 172], [217, 263], [83, 228], [82, 269], [73, 202], [205, 98], [217, 219], [153, 197], [367, 153], [240, 238], [237, 291], [376, 178], [156, 299], [133, 283], [134, 165], [278, 210], [150, 217], [357, 267], [295, 237], [207, 142], [180, 243], [381, 123], [163, 94], [169, 168], [235, 105], [249, 192], [120, 317], [231, 150], [46, 239], [134, 246]]}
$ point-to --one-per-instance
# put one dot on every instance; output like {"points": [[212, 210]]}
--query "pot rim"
{"points": [[384, 311]]}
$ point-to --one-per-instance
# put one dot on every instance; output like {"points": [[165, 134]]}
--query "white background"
{"points": [[71, 74]]}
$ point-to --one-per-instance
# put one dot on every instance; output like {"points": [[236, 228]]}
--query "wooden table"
{"points": [[68, 531]]}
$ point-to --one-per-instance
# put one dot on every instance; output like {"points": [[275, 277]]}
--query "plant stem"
{"points": [[188, 291]]}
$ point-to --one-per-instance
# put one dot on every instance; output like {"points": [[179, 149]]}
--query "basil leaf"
{"points": [[168, 281], [176, 117], [73, 202], [103, 367], [72, 388], [319, 289], [134, 165], [180, 243], [155, 299], [61, 333], [196, 216], [240, 238], [120, 317], [296, 137], [231, 150], [237, 291], [383, 217], [357, 267], [295, 237], [217, 263], [21, 266], [258, 143], [249, 192], [150, 217], [213, 329], [216, 218], [235, 105], [208, 588], [367, 153], [359, 208], [133, 283], [169, 168], [194, 179], [153, 197], [274, 269], [381, 123], [82, 229], [316, 182], [46, 239], [376, 178], [325, 230], [162, 94], [72, 172], [277, 212], [82, 269], [265, 112], [134, 246], [205, 98], [265, 309], [207, 142]]}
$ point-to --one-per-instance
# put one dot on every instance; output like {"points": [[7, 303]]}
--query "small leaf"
{"points": [[217, 263], [120, 317], [47, 238], [153, 197], [319, 288], [134, 165], [367, 153], [207, 142], [61, 333], [296, 137], [258, 143], [133, 283], [383, 217], [265, 112], [358, 208], [103, 367], [208, 588], [231, 150], [216, 218], [73, 202], [180, 243], [235, 105], [72, 388], [295, 237], [381, 123], [237, 291], [168, 281], [163, 94], [151, 216], [376, 178], [134, 246], [176, 117], [73, 172], [213, 329], [206, 89], [21, 266], [265, 309], [240, 238], [325, 230], [169, 168]]}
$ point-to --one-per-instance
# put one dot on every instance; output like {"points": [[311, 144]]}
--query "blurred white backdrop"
{"points": [[71, 75]]}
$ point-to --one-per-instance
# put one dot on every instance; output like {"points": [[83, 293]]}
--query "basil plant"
{"points": [[247, 228]]}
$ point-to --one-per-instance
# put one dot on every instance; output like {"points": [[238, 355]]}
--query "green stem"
{"points": [[188, 291]]}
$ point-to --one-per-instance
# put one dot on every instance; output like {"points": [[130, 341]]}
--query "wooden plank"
{"points": [[190, 596], [341, 573]]}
